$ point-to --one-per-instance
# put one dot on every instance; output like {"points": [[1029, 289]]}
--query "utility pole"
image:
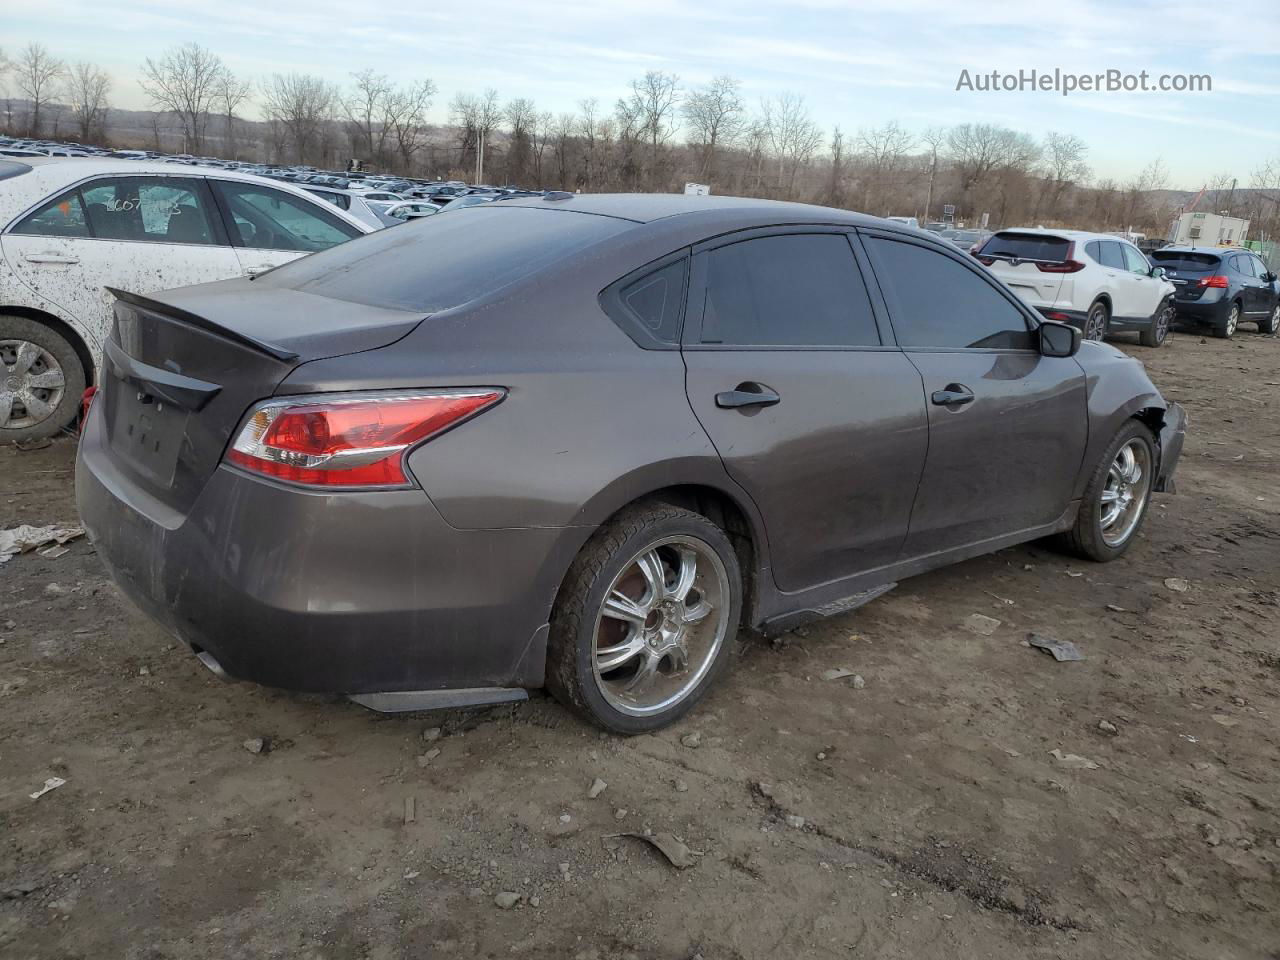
{"points": [[480, 157]]}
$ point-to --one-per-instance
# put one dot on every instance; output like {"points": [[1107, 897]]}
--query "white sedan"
{"points": [[71, 227]]}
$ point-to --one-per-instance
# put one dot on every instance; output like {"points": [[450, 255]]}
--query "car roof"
{"points": [[648, 207], [1068, 234]]}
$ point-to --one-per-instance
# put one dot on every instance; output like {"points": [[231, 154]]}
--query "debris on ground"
{"points": [[506, 899], [431, 733], [1109, 728], [53, 783], [858, 682], [426, 758], [22, 888], [1073, 761], [1061, 649], [30, 446], [981, 624], [795, 822], [676, 852], [692, 740], [255, 745], [1114, 608], [1224, 720], [837, 673], [1177, 584], [25, 538], [410, 809], [597, 787]]}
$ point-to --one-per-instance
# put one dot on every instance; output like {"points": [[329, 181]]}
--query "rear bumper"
{"points": [[1211, 312], [342, 593], [1172, 435]]}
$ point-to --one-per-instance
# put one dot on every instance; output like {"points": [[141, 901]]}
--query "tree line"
{"points": [[658, 135]]}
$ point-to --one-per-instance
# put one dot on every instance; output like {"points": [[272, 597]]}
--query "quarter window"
{"points": [[63, 216], [938, 302], [148, 210], [792, 290]]}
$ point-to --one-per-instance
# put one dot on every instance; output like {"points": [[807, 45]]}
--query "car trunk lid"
{"points": [[1016, 258], [1186, 268], [179, 373]]}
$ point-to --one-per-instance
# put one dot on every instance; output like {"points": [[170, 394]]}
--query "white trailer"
{"points": [[1207, 230]]}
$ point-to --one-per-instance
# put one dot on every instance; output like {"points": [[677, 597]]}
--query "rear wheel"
{"points": [[1271, 322], [41, 380], [1228, 328], [1097, 321], [1116, 498], [1155, 334], [646, 620]]}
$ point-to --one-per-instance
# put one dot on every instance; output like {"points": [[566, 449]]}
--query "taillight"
{"points": [[86, 402], [1069, 263], [349, 440], [1214, 281]]}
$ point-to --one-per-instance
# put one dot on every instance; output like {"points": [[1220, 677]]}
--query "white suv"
{"points": [[1094, 281], [71, 228]]}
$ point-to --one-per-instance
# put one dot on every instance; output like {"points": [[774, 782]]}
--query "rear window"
{"points": [[1026, 246], [12, 168], [437, 263], [1186, 260]]}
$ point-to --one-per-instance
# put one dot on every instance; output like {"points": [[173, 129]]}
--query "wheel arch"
{"points": [[65, 330]]}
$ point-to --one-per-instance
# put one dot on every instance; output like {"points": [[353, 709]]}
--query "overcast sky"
{"points": [[858, 64]]}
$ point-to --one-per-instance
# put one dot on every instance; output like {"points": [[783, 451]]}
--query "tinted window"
{"points": [[1185, 260], [269, 219], [937, 302], [12, 168], [1026, 246], [442, 262], [1109, 254], [148, 209], [61, 217], [1134, 260], [802, 290], [654, 303], [339, 200]]}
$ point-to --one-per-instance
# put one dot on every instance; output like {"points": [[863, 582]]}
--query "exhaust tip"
{"points": [[210, 661]]}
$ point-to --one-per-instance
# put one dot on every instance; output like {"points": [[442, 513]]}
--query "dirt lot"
{"points": [[936, 821]]}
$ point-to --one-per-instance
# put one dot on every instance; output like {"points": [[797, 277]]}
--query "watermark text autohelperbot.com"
{"points": [[1060, 81]]}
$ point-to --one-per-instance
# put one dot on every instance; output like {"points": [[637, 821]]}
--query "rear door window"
{"points": [[149, 210], [1109, 254], [936, 301], [789, 290], [63, 216], [269, 219]]}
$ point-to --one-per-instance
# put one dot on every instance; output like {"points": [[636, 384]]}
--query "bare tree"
{"points": [[543, 126], [185, 81], [715, 116], [521, 115], [587, 129], [231, 92], [406, 115], [792, 134], [1136, 208], [36, 73], [647, 113], [366, 111], [882, 151], [301, 104], [1064, 166], [85, 90], [835, 185]]}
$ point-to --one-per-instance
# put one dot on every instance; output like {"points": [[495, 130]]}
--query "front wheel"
{"points": [[1116, 498], [1155, 334], [646, 620], [1097, 321], [1271, 322]]}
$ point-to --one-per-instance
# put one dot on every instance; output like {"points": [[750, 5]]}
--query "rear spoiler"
{"points": [[200, 323]]}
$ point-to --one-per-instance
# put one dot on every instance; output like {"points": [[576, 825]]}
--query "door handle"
{"points": [[748, 394], [49, 258], [955, 395]]}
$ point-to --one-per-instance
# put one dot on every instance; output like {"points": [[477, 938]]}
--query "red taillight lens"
{"points": [[86, 402], [350, 440], [1215, 281], [1069, 263]]}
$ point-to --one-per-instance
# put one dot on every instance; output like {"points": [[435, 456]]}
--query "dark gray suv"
{"points": [[581, 441]]}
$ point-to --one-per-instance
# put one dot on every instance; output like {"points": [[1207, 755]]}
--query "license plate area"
{"points": [[146, 433]]}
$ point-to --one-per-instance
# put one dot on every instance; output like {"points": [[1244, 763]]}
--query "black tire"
{"points": [[55, 351], [571, 646], [1161, 321], [1228, 328], [1097, 321], [1085, 539], [1271, 322]]}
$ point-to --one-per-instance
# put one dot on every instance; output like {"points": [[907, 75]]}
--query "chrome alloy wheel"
{"points": [[31, 384], [1095, 325], [661, 625], [1233, 319], [1163, 321], [1125, 494]]}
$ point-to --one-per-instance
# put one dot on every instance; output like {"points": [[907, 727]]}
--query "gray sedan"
{"points": [[582, 441]]}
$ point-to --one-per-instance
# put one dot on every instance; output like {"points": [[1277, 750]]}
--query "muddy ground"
{"points": [[936, 820]]}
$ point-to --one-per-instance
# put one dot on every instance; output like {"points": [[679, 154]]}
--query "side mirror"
{"points": [[1269, 276], [1059, 339], [1158, 272]]}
